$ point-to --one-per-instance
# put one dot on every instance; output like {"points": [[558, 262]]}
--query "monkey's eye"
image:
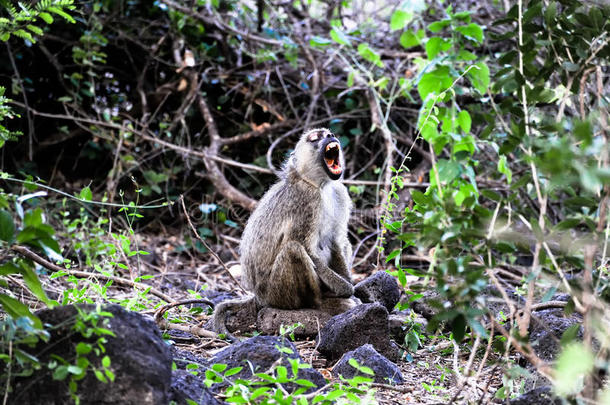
{"points": [[314, 137]]}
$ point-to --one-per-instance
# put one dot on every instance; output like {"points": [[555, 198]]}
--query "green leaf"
{"points": [[72, 369], [48, 18], [62, 13], [60, 373], [400, 19], [466, 191], [504, 169], [472, 31], [85, 194], [433, 47], [34, 29], [573, 364], [233, 371], [479, 77], [435, 81], [438, 25], [392, 255], [464, 120], [17, 310], [7, 226], [408, 39], [31, 280], [317, 41], [305, 383], [219, 368], [83, 348], [258, 392], [369, 54], [339, 37], [448, 170]]}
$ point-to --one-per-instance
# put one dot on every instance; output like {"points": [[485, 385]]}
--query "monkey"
{"points": [[295, 251]]}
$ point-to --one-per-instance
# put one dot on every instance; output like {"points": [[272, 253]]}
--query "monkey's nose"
{"points": [[329, 135]]}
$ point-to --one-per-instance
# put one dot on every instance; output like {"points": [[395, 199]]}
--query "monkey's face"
{"points": [[326, 149]]}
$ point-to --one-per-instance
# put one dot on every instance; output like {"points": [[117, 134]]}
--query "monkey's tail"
{"points": [[222, 310]]}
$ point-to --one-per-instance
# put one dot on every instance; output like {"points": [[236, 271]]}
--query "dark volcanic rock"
{"points": [[366, 355], [366, 323], [140, 360], [379, 287], [261, 353], [186, 386], [269, 319], [182, 358], [537, 396], [429, 305], [401, 321], [546, 330]]}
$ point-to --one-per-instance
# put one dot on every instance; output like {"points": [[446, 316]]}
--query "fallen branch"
{"points": [[25, 252]]}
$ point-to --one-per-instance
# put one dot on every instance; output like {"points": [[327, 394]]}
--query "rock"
{"points": [[186, 386], [269, 320], [366, 355], [140, 360], [182, 359], [537, 396], [379, 287], [546, 329], [401, 321], [366, 323], [261, 353], [429, 305]]}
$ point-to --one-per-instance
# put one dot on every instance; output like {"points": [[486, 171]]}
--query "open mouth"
{"points": [[332, 159]]}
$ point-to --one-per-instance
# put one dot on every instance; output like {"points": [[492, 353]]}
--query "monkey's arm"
{"points": [[338, 285], [340, 257]]}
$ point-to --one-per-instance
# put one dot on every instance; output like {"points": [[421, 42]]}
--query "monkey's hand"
{"points": [[338, 286]]}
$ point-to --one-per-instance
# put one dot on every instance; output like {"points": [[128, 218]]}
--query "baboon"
{"points": [[294, 249]]}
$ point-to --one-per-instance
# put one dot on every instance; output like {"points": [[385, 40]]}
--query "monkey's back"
{"points": [[287, 211]]}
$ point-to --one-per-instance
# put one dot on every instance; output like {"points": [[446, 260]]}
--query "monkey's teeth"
{"points": [[331, 145]]}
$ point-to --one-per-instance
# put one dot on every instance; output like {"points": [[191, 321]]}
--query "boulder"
{"points": [[140, 360], [546, 329], [260, 353], [401, 321], [366, 355], [187, 386], [269, 320], [537, 396], [380, 287], [366, 323]]}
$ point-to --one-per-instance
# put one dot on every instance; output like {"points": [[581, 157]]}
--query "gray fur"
{"points": [[294, 249]]}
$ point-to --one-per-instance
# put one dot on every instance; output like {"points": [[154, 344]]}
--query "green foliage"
{"points": [[19, 336], [20, 19], [458, 218], [270, 387], [6, 112]]}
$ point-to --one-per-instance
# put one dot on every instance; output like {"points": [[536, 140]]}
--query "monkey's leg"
{"points": [[293, 282]]}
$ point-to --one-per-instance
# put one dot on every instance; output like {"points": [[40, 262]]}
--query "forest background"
{"points": [[475, 133]]}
